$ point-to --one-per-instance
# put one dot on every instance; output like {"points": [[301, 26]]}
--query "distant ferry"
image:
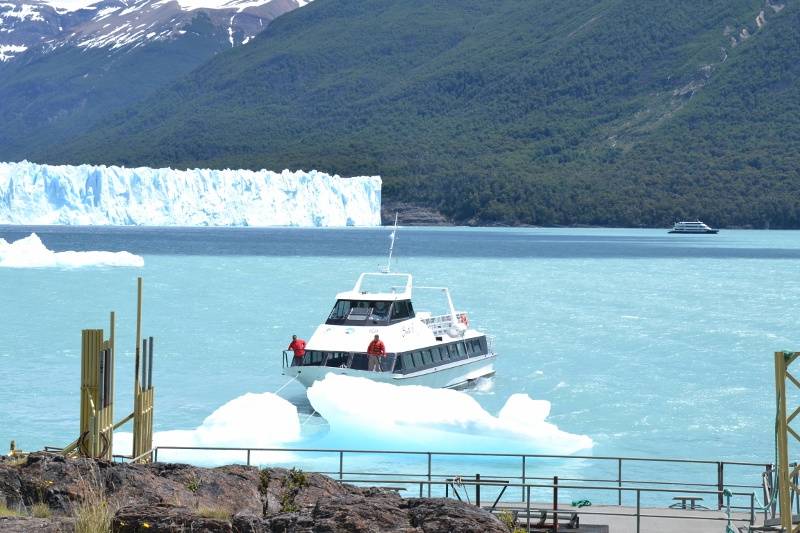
{"points": [[692, 227]]}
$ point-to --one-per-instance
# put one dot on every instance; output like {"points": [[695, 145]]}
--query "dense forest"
{"points": [[596, 112]]}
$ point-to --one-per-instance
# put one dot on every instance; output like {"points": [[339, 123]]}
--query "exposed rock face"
{"points": [[173, 497], [412, 215]]}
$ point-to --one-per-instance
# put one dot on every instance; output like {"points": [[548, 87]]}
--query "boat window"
{"points": [[358, 311], [340, 310], [380, 310], [398, 364], [359, 361], [402, 310], [417, 355], [484, 347], [408, 361], [313, 358], [461, 350], [475, 347], [427, 357], [437, 355], [443, 353], [337, 359], [451, 349]]}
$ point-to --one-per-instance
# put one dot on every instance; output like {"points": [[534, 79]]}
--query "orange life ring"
{"points": [[463, 319]]}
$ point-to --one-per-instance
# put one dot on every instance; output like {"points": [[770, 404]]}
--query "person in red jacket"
{"points": [[298, 346], [375, 350]]}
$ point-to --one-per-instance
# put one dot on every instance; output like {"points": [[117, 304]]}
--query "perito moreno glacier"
{"points": [[100, 195]]}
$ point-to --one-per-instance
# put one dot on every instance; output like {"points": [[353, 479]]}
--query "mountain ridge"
{"points": [[589, 113]]}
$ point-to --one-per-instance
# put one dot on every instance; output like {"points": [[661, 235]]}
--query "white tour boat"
{"points": [[692, 227], [421, 349]]}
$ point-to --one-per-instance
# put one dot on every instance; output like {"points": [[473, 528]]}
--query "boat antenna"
{"points": [[393, 235]]}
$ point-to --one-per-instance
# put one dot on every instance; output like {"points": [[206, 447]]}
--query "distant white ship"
{"points": [[692, 227]]}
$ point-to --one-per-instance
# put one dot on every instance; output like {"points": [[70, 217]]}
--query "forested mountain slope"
{"points": [[605, 112]]}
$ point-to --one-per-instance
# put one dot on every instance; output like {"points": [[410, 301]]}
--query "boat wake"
{"points": [[364, 414], [30, 252]]}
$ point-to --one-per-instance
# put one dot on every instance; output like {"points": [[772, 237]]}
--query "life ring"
{"points": [[464, 319]]}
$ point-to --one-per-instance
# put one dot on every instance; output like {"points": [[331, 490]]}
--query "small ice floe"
{"points": [[30, 252]]}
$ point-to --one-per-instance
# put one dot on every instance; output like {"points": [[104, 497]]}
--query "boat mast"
{"points": [[392, 236]]}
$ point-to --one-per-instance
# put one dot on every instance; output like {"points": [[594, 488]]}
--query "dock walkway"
{"points": [[622, 519]]}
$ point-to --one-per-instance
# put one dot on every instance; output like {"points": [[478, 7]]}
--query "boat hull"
{"points": [[452, 376], [699, 232]]}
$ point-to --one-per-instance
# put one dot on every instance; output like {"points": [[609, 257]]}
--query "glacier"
{"points": [[37, 194]]}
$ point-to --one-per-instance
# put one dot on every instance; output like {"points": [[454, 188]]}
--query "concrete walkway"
{"points": [[623, 519]]}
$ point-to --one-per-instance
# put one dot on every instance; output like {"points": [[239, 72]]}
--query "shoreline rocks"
{"points": [[165, 497]]}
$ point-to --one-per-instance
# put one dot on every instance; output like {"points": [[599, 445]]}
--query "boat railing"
{"points": [[352, 360], [440, 324]]}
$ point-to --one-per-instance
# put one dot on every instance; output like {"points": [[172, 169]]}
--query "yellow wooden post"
{"points": [[786, 486]]}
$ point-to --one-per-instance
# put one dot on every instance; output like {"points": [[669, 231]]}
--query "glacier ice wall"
{"points": [[87, 195]]}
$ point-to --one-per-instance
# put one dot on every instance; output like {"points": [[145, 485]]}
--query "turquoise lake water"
{"points": [[649, 343]]}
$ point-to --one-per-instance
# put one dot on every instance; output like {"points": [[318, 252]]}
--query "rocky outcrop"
{"points": [[174, 497]]}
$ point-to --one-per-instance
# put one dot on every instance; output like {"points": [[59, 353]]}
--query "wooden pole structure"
{"points": [[97, 425], [143, 392], [786, 486]]}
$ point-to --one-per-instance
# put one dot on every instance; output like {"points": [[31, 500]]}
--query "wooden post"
{"points": [[784, 497]]}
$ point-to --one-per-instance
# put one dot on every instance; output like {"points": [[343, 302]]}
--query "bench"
{"points": [[459, 481], [681, 502]]}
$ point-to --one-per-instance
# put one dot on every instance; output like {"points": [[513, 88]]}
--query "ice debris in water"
{"points": [[30, 252], [251, 420], [86, 194], [370, 415]]}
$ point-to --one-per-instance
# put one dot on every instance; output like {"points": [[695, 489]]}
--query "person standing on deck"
{"points": [[298, 346], [374, 350]]}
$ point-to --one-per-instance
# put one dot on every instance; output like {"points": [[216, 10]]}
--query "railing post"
{"points": [[248, 456], [155, 455], [638, 510], [420, 489], [478, 490], [528, 508], [523, 475], [752, 508], [619, 481], [429, 474], [720, 483], [341, 465], [555, 503]]}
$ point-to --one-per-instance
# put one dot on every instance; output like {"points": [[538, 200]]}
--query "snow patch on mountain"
{"points": [[100, 195], [8, 51]]}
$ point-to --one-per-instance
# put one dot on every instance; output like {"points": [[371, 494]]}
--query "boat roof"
{"points": [[400, 290]]}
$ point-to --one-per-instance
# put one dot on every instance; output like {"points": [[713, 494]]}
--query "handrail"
{"points": [[463, 454]]}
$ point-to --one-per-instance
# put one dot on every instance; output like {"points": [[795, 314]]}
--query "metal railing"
{"points": [[524, 471], [353, 360]]}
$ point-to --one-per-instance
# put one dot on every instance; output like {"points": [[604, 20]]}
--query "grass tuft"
{"points": [[41, 510], [5, 511]]}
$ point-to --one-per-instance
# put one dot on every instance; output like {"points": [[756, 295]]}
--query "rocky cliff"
{"points": [[48, 493]]}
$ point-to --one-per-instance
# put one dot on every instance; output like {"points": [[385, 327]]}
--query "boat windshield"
{"points": [[370, 311]]}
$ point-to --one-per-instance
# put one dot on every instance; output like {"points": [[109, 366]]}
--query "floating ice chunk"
{"points": [[100, 195], [30, 252], [369, 415], [251, 420]]}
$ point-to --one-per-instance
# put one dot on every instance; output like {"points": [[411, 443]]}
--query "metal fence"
{"points": [[615, 476]]}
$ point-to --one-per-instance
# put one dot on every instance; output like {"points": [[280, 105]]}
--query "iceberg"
{"points": [[368, 414], [108, 195], [31, 252]]}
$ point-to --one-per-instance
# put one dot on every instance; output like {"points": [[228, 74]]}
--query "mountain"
{"points": [[602, 112], [91, 195], [66, 63]]}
